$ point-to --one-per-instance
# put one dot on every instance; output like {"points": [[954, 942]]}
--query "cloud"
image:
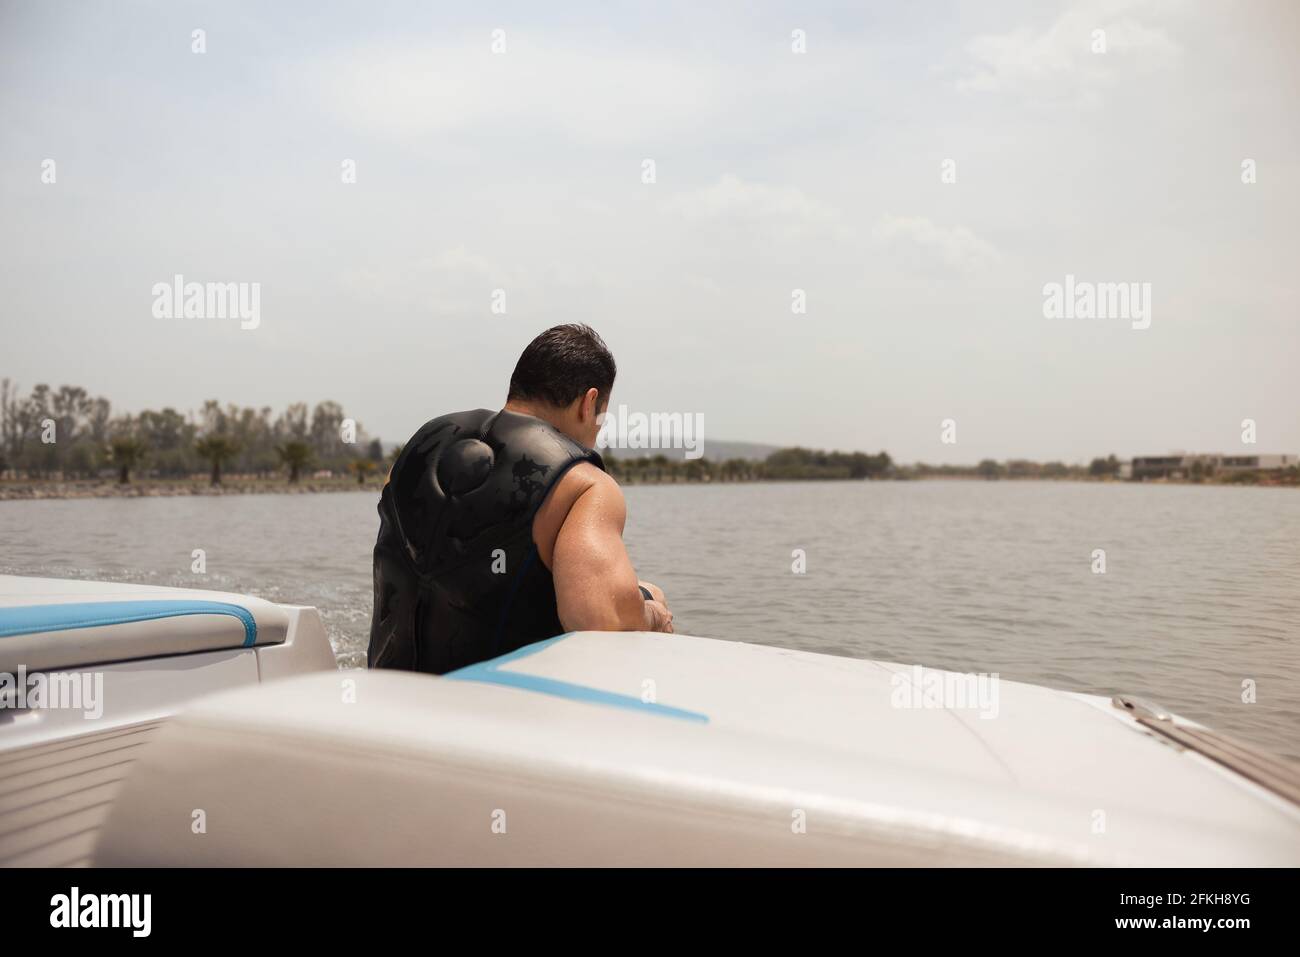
{"points": [[784, 210], [1059, 62], [453, 281], [594, 95], [927, 244]]}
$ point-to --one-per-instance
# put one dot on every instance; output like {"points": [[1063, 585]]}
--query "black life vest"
{"points": [[457, 576]]}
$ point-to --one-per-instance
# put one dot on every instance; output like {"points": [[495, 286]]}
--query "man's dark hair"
{"points": [[562, 364]]}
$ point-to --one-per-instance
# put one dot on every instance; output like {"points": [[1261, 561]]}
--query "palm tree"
{"points": [[127, 452], [217, 448], [362, 468], [297, 455], [698, 470]]}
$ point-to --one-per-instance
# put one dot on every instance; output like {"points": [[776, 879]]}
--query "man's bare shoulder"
{"points": [[580, 479], [583, 480]]}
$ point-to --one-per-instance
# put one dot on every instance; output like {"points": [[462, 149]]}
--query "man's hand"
{"points": [[658, 617]]}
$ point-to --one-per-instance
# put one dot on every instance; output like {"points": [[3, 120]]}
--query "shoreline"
{"points": [[21, 490]]}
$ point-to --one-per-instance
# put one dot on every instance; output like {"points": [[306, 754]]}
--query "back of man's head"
{"points": [[562, 364]]}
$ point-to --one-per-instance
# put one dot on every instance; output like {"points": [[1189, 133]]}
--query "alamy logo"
{"points": [[656, 430], [1098, 300], [55, 690], [923, 688], [179, 299], [102, 910]]}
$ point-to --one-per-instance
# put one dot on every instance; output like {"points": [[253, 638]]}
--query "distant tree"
{"points": [[217, 449], [126, 452], [171, 441], [292, 423], [325, 435], [989, 469], [801, 463], [735, 470], [84, 456], [252, 430], [10, 432], [297, 455], [1100, 468], [698, 470], [361, 468]]}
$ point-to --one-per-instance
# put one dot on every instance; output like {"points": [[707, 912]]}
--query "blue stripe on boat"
{"points": [[36, 619], [489, 672]]}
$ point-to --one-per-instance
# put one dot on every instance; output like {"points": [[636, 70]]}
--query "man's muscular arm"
{"points": [[595, 583]]}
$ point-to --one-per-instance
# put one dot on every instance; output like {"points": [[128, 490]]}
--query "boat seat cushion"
{"points": [[52, 624]]}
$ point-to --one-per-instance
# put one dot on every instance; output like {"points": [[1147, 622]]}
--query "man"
{"points": [[499, 529]]}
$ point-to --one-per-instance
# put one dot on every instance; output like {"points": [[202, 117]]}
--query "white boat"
{"points": [[231, 739], [152, 651]]}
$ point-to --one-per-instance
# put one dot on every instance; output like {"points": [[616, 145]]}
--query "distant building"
{"points": [[1163, 466], [1237, 463], [1186, 465]]}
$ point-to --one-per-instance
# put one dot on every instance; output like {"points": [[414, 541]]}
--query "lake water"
{"points": [[1201, 590]]}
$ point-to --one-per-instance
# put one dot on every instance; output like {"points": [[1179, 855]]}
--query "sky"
{"points": [[504, 147]]}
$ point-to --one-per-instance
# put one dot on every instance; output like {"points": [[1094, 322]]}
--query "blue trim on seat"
{"points": [[489, 672], [37, 619]]}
